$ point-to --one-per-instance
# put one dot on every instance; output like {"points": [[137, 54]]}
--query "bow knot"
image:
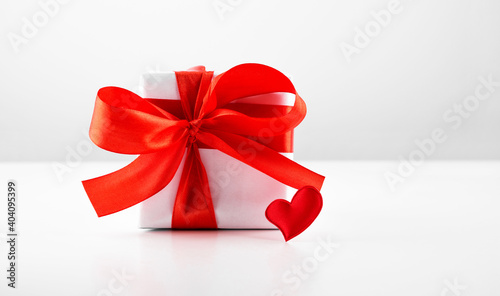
{"points": [[193, 128]]}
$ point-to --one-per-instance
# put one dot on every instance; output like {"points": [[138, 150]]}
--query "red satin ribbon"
{"points": [[125, 123]]}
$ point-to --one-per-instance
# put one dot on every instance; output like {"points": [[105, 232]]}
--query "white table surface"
{"points": [[440, 228]]}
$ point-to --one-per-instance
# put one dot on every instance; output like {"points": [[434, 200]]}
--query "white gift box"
{"points": [[240, 193]]}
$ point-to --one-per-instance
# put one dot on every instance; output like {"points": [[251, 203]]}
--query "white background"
{"points": [[395, 90]]}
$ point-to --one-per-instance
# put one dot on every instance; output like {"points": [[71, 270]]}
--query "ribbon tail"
{"points": [[262, 158], [193, 207], [142, 178]]}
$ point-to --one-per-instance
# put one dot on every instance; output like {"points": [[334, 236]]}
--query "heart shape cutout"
{"points": [[292, 218]]}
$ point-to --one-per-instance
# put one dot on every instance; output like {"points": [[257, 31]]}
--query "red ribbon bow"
{"points": [[125, 123]]}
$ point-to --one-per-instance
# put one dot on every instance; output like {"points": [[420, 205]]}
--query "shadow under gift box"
{"points": [[240, 193]]}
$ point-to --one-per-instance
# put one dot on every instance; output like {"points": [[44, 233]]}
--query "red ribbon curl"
{"points": [[125, 123]]}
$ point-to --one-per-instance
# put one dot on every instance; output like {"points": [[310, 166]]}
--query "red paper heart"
{"points": [[293, 217]]}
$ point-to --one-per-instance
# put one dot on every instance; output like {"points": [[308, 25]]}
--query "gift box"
{"points": [[240, 193], [214, 150]]}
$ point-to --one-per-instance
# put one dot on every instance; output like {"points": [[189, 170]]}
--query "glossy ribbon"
{"points": [[125, 123]]}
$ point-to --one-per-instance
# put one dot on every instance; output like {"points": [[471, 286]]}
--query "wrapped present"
{"points": [[215, 150]]}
